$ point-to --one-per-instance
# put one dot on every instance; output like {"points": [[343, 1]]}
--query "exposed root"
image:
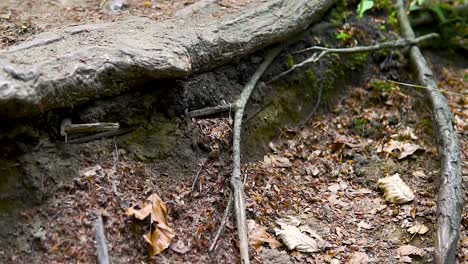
{"points": [[450, 196], [237, 185]]}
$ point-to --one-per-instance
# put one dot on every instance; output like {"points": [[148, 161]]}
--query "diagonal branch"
{"points": [[237, 186], [450, 196]]}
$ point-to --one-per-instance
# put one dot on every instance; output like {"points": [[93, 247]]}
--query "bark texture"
{"points": [[450, 196], [70, 66]]}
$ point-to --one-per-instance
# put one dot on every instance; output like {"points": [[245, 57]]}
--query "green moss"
{"points": [[340, 13], [381, 86], [290, 61], [9, 177], [355, 61], [8, 205], [154, 143]]}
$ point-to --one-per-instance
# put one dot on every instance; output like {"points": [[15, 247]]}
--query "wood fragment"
{"points": [[70, 129], [450, 196], [99, 136]]}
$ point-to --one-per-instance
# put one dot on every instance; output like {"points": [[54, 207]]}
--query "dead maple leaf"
{"points": [[258, 236], [395, 190], [295, 237], [418, 228], [161, 234]]}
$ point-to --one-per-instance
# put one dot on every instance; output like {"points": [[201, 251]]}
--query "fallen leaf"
{"points": [[405, 148], [160, 236], [408, 149], [364, 225], [408, 250], [359, 258], [418, 228], [395, 190], [293, 237], [180, 247], [258, 236], [90, 171]]}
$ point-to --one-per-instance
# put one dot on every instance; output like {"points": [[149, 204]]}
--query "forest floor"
{"points": [[322, 177]]}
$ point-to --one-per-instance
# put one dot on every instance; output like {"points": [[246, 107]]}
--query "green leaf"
{"points": [[440, 13], [414, 6], [363, 6], [420, 2], [343, 36]]}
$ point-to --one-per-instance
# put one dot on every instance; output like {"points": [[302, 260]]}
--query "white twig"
{"points": [[324, 51]]}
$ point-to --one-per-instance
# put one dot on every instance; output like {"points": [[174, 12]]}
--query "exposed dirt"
{"points": [[324, 174]]}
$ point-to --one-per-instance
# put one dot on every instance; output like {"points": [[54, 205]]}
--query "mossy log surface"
{"points": [[73, 65]]}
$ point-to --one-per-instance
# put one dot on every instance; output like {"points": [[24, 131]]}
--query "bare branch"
{"points": [[401, 43], [450, 196]]}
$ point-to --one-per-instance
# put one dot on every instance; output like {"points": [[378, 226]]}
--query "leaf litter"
{"points": [[325, 174]]}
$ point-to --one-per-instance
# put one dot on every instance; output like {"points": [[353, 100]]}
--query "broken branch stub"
{"points": [[70, 66]]}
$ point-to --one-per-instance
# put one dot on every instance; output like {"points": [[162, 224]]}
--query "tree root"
{"points": [[450, 196], [237, 185]]}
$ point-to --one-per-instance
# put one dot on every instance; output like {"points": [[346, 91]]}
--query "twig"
{"points": [[101, 135], [210, 110], [450, 196], [195, 179], [400, 43], [223, 222], [236, 181], [426, 87], [102, 254], [323, 51]]}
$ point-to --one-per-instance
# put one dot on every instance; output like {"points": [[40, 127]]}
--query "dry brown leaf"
{"points": [[364, 225], [408, 149], [404, 148], [294, 237], [395, 190], [418, 228], [408, 250], [359, 258], [258, 236], [160, 236]]}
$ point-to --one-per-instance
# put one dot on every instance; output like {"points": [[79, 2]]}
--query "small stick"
{"points": [[226, 213], [100, 136], [195, 179], [102, 253], [210, 110], [323, 51]]}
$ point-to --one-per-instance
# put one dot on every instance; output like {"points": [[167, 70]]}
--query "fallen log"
{"points": [[73, 65], [450, 196]]}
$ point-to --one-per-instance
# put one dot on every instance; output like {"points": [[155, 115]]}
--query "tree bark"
{"points": [[70, 66], [450, 196]]}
